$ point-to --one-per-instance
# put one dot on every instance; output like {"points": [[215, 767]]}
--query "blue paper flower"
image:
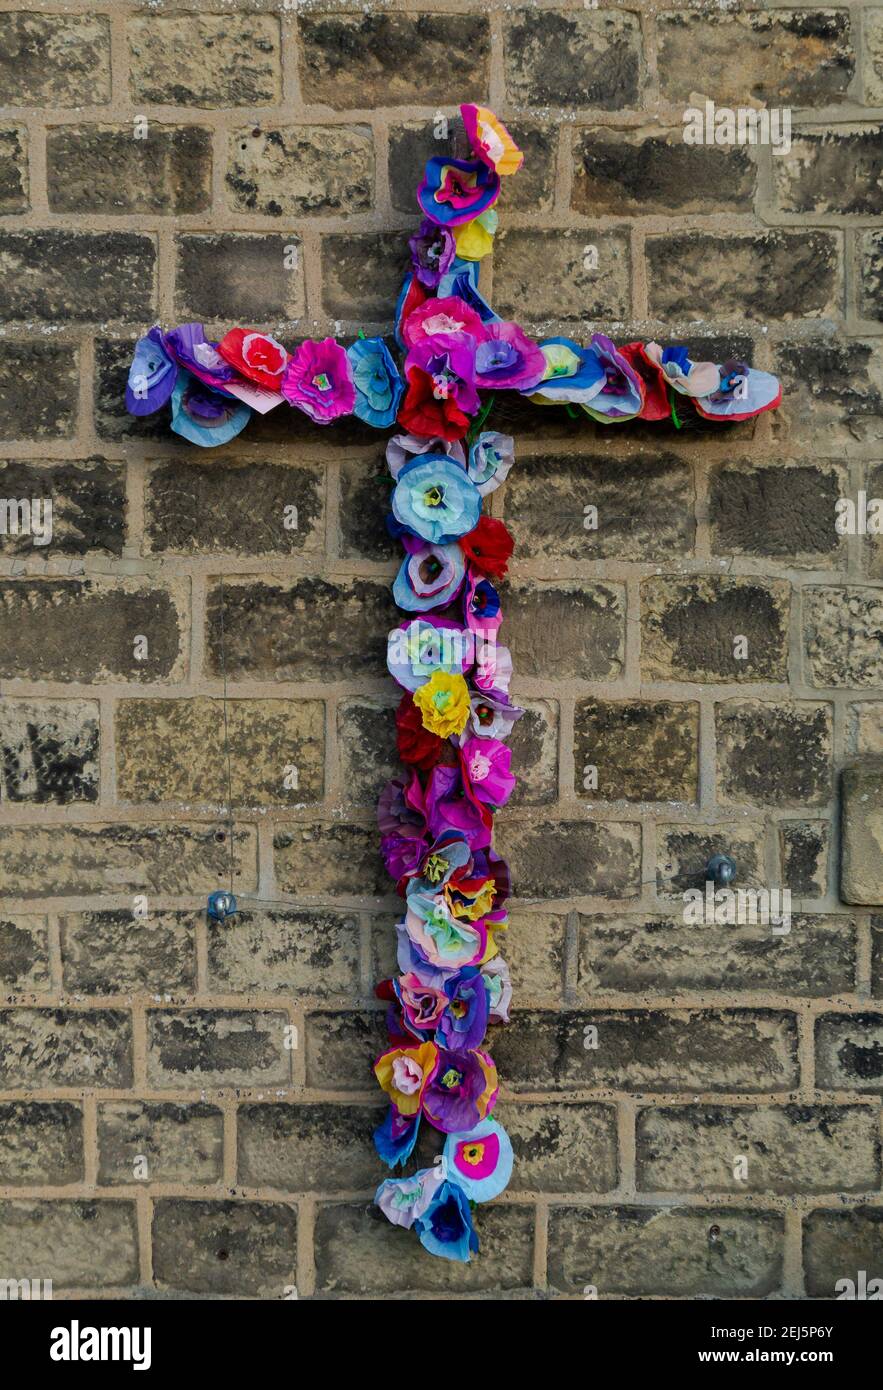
{"points": [[445, 1228], [457, 190], [379, 386], [435, 499], [573, 373], [395, 1138]]}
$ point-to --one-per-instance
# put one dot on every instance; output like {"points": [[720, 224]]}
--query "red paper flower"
{"points": [[489, 547], [423, 413], [255, 355], [417, 745]]}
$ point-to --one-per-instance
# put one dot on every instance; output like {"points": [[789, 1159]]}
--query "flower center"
{"points": [[322, 381], [435, 868], [472, 1154], [434, 496], [452, 1078], [479, 767]]}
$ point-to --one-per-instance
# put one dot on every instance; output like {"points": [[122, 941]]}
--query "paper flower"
{"points": [[441, 393], [432, 251], [404, 1073], [435, 499], [491, 716], [411, 295], [395, 1137], [191, 349], [445, 1228], [456, 190], [464, 1023], [685, 376], [402, 448], [448, 855], [451, 805], [444, 703], [480, 1160], [490, 459], [152, 375], [449, 317], [743, 392], [319, 381], [425, 645], [475, 240], [430, 576], [422, 1005], [462, 1090], [377, 383], [204, 416], [402, 1200], [621, 396], [495, 974], [573, 374], [440, 939], [481, 607], [508, 359], [653, 380], [415, 744], [487, 765], [490, 140], [488, 547], [255, 355]]}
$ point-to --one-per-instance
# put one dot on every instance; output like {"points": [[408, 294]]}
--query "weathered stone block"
{"points": [[774, 754], [803, 846], [837, 1246], [366, 743], [329, 860], [362, 276], [342, 1047], [565, 859], [48, 751], [24, 954], [781, 510], [684, 850], [296, 171], [566, 275], [590, 59], [238, 277], [849, 1052], [88, 499], [837, 172], [176, 751], [308, 1148], [561, 1147], [669, 1251], [534, 745], [767, 275], [105, 169], [870, 275], [44, 401], [564, 630], [641, 172], [268, 951], [191, 1048], [65, 1047], [159, 1141], [365, 490], [13, 170], [711, 628], [205, 59], [115, 952], [841, 630], [862, 832], [832, 390], [55, 60], [636, 750], [40, 1144], [77, 1244], [247, 1249]]}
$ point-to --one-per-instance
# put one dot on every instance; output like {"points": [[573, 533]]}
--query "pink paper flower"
{"points": [[319, 381]]}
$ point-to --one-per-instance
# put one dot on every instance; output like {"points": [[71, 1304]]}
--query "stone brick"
{"points": [[342, 1048], [269, 951], [77, 1244], [787, 1149], [849, 1052], [841, 629], [684, 851], [873, 544], [308, 1148], [542, 275], [803, 846], [644, 507], [365, 60], [40, 1144], [663, 956], [751, 1050], [781, 510], [236, 277], [180, 1143], [364, 501], [362, 275], [114, 952], [642, 750], [55, 60], [329, 859], [279, 628], [43, 861], [566, 630], [199, 509], [88, 499], [77, 277], [760, 276], [247, 1249], [876, 955], [832, 172], [65, 1047], [837, 1245], [174, 751], [870, 275], [13, 170], [691, 627], [359, 1252], [564, 859], [534, 949], [191, 1048], [862, 832], [534, 746], [238, 62], [44, 403], [105, 169], [640, 172], [795, 57], [38, 618], [366, 744], [24, 953], [561, 1148], [831, 390], [575, 60], [533, 190], [48, 751], [668, 1251], [303, 170], [867, 726], [774, 754]]}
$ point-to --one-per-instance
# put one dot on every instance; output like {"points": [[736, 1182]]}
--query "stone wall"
{"points": [[189, 1108]]}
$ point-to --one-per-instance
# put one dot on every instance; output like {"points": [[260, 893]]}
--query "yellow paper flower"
{"points": [[472, 240], [443, 703], [403, 1072]]}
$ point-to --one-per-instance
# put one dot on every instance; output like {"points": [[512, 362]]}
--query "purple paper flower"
{"points": [[318, 380], [492, 716], [464, 1023], [432, 251], [462, 1090], [622, 396], [449, 362], [508, 359]]}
